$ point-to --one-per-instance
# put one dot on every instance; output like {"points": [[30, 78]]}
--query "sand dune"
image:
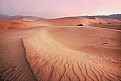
{"points": [[13, 65], [90, 39], [107, 23], [57, 62], [67, 21], [18, 24], [59, 50], [12, 25]]}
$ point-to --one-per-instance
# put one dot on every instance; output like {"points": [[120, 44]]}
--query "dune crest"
{"points": [[66, 21], [50, 60], [61, 49]]}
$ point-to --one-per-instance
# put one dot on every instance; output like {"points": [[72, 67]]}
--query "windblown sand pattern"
{"points": [[13, 63], [11, 72], [51, 61], [59, 50]]}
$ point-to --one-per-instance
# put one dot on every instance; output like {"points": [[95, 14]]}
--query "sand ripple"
{"points": [[51, 61]]}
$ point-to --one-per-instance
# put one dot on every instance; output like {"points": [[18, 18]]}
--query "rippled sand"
{"points": [[54, 52]]}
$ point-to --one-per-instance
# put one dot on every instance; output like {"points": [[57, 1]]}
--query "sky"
{"points": [[60, 8]]}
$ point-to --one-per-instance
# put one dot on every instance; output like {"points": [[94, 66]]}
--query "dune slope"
{"points": [[99, 41], [13, 63], [66, 21], [55, 61]]}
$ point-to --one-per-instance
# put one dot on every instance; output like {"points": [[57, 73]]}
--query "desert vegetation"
{"points": [[80, 25]]}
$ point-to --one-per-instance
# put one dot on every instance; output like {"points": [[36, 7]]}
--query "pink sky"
{"points": [[59, 8]]}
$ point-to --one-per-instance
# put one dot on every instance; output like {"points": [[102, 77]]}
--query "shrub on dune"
{"points": [[80, 25]]}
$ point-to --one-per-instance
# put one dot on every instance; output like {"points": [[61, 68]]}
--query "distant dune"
{"points": [[67, 21], [61, 49]]}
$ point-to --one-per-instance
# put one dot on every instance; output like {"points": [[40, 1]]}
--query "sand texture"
{"points": [[59, 50], [52, 61], [66, 21]]}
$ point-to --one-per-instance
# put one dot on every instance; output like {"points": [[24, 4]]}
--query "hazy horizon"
{"points": [[60, 8]]}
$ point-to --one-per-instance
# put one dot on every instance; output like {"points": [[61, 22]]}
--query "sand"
{"points": [[66, 21], [60, 53], [14, 66], [56, 62]]}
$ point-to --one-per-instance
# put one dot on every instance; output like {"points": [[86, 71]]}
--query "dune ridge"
{"points": [[60, 50], [66, 21], [99, 41], [50, 60], [13, 63]]}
